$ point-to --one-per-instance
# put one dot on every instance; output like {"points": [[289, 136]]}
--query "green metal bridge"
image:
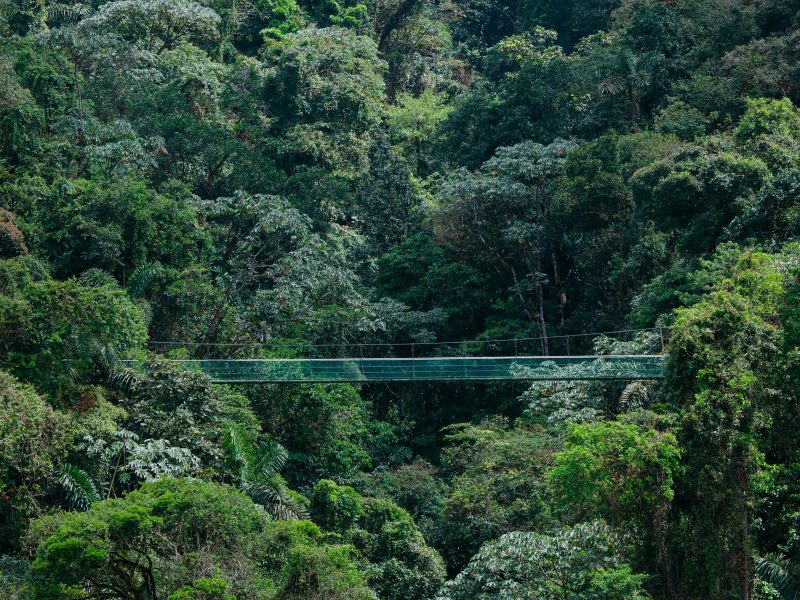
{"points": [[462, 368]]}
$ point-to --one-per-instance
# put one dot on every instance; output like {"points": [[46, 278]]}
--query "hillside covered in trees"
{"points": [[303, 178]]}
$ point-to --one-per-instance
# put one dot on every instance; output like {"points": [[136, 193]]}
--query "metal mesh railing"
{"points": [[528, 368]]}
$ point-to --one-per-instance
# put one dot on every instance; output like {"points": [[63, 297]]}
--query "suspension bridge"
{"points": [[350, 369]]}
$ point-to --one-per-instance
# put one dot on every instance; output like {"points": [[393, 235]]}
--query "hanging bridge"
{"points": [[473, 361], [461, 368]]}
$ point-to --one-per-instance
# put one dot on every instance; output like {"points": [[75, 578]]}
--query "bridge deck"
{"points": [[365, 370]]}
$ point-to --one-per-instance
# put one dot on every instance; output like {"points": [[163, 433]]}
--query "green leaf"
{"points": [[78, 486]]}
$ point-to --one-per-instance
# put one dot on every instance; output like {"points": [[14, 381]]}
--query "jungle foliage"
{"points": [[312, 178]]}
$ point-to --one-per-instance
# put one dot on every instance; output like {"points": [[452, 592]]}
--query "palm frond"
{"points": [[142, 277], [107, 356], [257, 470], [270, 458], [58, 14], [78, 487], [627, 60], [121, 379], [98, 278], [648, 62], [239, 449], [611, 84], [274, 496], [780, 573], [262, 492], [88, 357], [71, 371], [635, 395]]}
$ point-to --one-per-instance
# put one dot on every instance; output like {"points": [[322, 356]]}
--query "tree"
{"points": [[179, 538], [168, 402], [270, 265], [413, 122], [498, 215], [198, 115], [773, 215], [33, 442], [703, 190], [685, 121], [388, 201], [324, 89], [155, 25], [335, 507], [416, 487], [63, 333], [419, 274], [482, 24], [119, 227], [614, 471], [11, 238], [496, 485], [24, 18], [765, 67], [107, 464], [309, 566], [629, 76], [765, 116], [580, 562], [400, 563], [526, 97], [327, 430], [21, 118], [719, 373], [273, 20], [416, 47], [624, 474]]}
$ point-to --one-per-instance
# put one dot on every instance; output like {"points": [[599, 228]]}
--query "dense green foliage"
{"points": [[160, 541], [579, 562], [399, 178]]}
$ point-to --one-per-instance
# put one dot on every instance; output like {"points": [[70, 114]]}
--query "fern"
{"points": [[78, 487]]}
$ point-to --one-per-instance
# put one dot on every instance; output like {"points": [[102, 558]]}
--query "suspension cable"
{"points": [[268, 344]]}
